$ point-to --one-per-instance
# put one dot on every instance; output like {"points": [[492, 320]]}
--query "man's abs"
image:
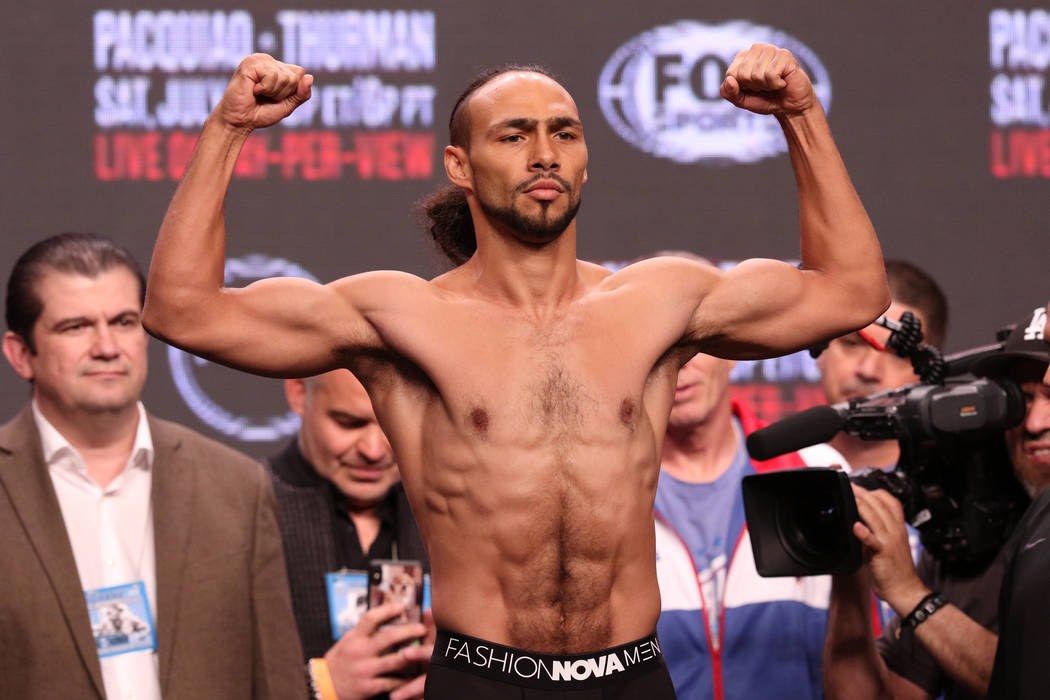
{"points": [[546, 553]]}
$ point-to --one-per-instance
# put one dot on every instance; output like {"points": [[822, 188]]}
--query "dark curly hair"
{"points": [[445, 213]]}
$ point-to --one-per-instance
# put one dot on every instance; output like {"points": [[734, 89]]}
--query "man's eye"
{"points": [[565, 135], [348, 422], [513, 138]]}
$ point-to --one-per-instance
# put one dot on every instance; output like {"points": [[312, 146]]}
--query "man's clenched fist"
{"points": [[262, 92], [768, 80]]}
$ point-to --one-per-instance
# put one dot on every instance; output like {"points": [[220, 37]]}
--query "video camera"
{"points": [[954, 478]]}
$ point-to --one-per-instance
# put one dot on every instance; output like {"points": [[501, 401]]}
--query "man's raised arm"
{"points": [[281, 327], [765, 307]]}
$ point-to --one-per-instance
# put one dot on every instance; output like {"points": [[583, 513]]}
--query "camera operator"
{"points": [[947, 640], [850, 367], [1019, 662]]}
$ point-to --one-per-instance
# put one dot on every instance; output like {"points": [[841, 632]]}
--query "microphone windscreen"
{"points": [[810, 427]]}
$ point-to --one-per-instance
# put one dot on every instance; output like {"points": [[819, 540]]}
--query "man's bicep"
{"points": [[281, 327], [763, 308]]}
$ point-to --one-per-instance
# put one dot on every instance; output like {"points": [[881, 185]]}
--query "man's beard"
{"points": [[535, 229]]}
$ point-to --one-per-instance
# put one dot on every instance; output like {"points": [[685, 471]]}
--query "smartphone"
{"points": [[397, 581]]}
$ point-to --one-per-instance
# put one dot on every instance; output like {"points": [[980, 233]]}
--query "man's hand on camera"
{"points": [[887, 552], [361, 662]]}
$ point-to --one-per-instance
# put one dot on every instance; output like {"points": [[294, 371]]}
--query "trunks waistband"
{"points": [[530, 669]]}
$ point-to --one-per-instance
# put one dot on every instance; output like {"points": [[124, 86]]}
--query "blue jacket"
{"points": [[771, 636]]}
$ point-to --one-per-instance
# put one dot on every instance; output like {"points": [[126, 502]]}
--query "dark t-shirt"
{"points": [[1021, 669], [976, 596]]}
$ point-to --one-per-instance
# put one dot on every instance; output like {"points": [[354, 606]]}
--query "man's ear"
{"points": [[295, 393], [457, 167], [17, 353]]}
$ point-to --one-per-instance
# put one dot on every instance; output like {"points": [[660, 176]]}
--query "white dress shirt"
{"points": [[111, 533]]}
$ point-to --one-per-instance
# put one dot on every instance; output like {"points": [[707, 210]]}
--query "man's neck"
{"points": [[527, 276], [366, 524], [702, 452], [866, 453], [103, 439]]}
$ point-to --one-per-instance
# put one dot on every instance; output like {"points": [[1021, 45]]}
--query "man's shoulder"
{"points": [[388, 286], [17, 428], [200, 449]]}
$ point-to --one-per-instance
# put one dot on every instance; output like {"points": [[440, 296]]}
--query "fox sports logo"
{"points": [[660, 92], [187, 370]]}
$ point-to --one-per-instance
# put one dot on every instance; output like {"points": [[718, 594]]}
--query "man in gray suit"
{"points": [[104, 507]]}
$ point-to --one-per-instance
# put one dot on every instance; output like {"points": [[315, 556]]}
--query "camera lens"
{"points": [[810, 529]]}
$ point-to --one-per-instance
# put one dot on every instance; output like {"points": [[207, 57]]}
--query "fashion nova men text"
{"points": [[523, 665]]}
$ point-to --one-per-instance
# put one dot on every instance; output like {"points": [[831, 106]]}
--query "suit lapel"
{"points": [[26, 479], [173, 489]]}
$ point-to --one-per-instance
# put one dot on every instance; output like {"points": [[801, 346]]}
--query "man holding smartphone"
{"points": [[341, 506]]}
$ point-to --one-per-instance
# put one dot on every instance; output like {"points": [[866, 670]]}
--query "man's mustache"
{"points": [[543, 176]]}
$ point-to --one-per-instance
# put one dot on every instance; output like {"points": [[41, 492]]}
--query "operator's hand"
{"points": [[361, 660], [885, 538], [413, 690], [262, 92], [768, 80]]}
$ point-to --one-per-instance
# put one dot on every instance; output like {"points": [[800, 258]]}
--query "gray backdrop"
{"points": [[937, 108]]}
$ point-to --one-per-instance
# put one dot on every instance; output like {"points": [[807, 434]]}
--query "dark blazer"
{"points": [[305, 514], [225, 628]]}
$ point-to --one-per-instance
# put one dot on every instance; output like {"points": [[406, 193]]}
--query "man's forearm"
{"points": [[189, 256], [853, 669], [837, 237], [962, 648]]}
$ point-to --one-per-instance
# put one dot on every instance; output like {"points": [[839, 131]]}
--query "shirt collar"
{"points": [[55, 445]]}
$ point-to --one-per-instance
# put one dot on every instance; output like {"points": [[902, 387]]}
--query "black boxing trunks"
{"points": [[467, 667]]}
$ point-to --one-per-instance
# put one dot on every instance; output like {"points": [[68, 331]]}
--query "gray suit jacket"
{"points": [[225, 628]]}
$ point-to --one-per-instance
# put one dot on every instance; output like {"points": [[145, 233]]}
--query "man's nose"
{"points": [[1037, 420], [373, 446], [103, 344], [872, 365], [544, 156]]}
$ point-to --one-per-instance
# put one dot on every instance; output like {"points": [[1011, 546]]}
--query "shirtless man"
{"points": [[526, 393]]}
